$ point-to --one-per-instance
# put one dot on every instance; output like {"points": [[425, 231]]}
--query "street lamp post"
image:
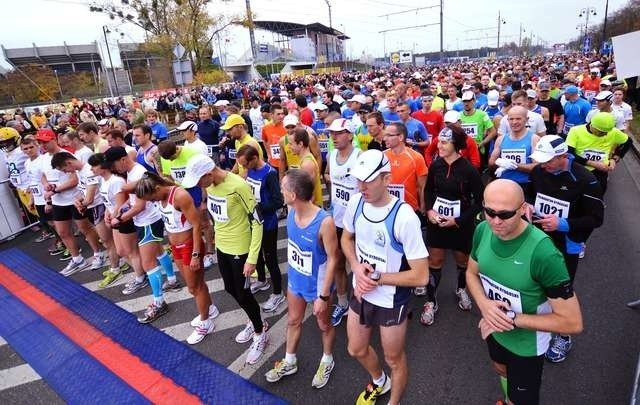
{"points": [[586, 12], [55, 72], [500, 22], [105, 31]]}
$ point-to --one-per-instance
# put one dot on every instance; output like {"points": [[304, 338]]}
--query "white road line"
{"points": [[277, 337], [18, 375]]}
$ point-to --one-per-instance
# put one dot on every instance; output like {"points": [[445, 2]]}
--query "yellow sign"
{"points": [[395, 57]]}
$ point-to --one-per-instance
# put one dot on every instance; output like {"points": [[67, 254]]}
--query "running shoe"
{"points": [[420, 291], [56, 250], [66, 255], [260, 286], [44, 236], [464, 301], [281, 369], [213, 314], [372, 392], [257, 347], [338, 313], [171, 287], [583, 249], [246, 334], [428, 313], [153, 312], [209, 260], [74, 267], [110, 278], [200, 332], [274, 301], [559, 348], [134, 286], [322, 374], [98, 262]]}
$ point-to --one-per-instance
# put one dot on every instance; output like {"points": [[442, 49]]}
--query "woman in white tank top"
{"points": [[182, 222]]}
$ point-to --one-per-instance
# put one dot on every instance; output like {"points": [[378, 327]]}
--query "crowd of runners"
{"points": [[504, 163]]}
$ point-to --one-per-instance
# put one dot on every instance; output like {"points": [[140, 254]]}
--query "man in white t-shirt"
{"points": [[535, 122], [257, 120], [382, 241], [190, 129]]}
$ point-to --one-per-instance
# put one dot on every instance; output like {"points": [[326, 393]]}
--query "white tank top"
{"points": [[343, 184], [174, 220]]}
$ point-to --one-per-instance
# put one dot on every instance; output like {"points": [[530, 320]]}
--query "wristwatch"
{"points": [[512, 315], [375, 275], [324, 298], [195, 255]]}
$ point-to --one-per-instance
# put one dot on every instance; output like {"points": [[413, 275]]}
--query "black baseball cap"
{"points": [[115, 153]]}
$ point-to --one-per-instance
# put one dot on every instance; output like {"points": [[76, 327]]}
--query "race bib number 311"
{"points": [[300, 261]]}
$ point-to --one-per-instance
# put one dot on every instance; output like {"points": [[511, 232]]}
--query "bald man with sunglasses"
{"points": [[521, 285]]}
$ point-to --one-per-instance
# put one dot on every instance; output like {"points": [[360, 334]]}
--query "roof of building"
{"points": [[290, 29]]}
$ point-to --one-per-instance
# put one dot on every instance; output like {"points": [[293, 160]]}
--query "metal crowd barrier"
{"points": [[14, 217], [635, 394]]}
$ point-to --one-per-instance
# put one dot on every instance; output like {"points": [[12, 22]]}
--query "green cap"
{"points": [[603, 121]]}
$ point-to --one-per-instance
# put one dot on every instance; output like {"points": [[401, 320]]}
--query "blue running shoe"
{"points": [[338, 313], [559, 348]]}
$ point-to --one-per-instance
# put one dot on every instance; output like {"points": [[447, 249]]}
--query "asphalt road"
{"points": [[448, 361]]}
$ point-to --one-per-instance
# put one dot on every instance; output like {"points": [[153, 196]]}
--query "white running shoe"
{"points": [[420, 291], [257, 348], [208, 260], [464, 301], [213, 314], [247, 333], [274, 301], [200, 332], [260, 286], [73, 267], [98, 262]]}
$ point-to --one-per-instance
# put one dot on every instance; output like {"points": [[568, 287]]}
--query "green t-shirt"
{"points": [[555, 93], [177, 167], [237, 225], [246, 140], [476, 124], [518, 271], [594, 148]]}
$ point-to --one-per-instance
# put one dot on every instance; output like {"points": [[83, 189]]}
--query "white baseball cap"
{"points": [[103, 122], [320, 107], [290, 120], [370, 164], [188, 125], [221, 103], [468, 95], [548, 147], [197, 166], [532, 94], [493, 96], [358, 98], [604, 95], [451, 117], [339, 125]]}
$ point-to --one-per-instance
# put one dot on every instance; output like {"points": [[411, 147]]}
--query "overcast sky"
{"points": [[50, 22]]}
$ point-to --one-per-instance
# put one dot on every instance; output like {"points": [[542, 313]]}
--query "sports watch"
{"points": [[512, 315]]}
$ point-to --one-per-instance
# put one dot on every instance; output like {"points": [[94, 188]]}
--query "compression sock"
{"points": [[505, 388], [167, 265], [155, 280], [434, 281], [462, 276]]}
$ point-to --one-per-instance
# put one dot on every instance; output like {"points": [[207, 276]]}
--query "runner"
{"points": [[521, 286], [376, 128], [90, 204], [124, 235], [115, 137], [311, 252], [88, 132], [158, 129], [343, 186], [383, 243], [263, 180], [182, 222], [470, 152], [238, 229], [620, 105], [555, 121], [299, 144], [477, 125], [271, 135], [567, 204], [576, 109], [60, 191], [189, 130], [432, 120], [417, 136], [534, 121], [149, 229], [80, 150], [148, 156], [236, 128], [15, 160], [453, 196], [603, 103]]}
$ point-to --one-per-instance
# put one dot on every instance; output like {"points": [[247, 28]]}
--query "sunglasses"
{"points": [[503, 215]]}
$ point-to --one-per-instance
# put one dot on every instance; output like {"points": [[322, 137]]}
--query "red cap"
{"points": [[45, 135]]}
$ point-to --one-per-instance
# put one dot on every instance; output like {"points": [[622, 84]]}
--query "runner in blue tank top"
{"points": [[312, 248], [147, 152]]}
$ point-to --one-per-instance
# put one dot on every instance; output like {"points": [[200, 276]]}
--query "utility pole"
{"points": [[441, 5], [604, 24], [105, 31], [586, 12], [330, 26], [500, 22], [520, 40], [252, 36], [442, 31]]}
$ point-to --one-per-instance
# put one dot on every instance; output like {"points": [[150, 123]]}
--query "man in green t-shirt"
{"points": [[174, 160], [238, 229], [477, 124], [521, 286]]}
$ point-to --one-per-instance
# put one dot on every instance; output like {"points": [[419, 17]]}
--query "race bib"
{"points": [[35, 190], [517, 155], [594, 155], [470, 129], [547, 205], [178, 173], [496, 291], [210, 150], [324, 145], [218, 208], [168, 219], [376, 261], [447, 208], [396, 190], [341, 194], [275, 151], [232, 154], [15, 179], [567, 127], [105, 198], [255, 185], [589, 94], [299, 260]]}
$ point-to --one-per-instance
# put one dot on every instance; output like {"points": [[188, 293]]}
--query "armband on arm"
{"points": [[564, 291]]}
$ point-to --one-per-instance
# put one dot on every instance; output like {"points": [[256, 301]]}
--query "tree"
{"points": [[42, 85]]}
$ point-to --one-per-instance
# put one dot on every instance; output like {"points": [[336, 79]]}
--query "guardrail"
{"points": [[13, 216]]}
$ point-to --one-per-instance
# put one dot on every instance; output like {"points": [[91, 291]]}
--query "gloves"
{"points": [[506, 164], [499, 171]]}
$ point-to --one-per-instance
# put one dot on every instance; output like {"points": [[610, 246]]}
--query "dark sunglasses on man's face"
{"points": [[503, 215]]}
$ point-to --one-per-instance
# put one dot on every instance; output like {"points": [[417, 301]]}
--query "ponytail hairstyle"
{"points": [[148, 184]]}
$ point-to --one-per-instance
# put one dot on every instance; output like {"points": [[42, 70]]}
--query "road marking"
{"points": [[277, 337], [18, 375]]}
